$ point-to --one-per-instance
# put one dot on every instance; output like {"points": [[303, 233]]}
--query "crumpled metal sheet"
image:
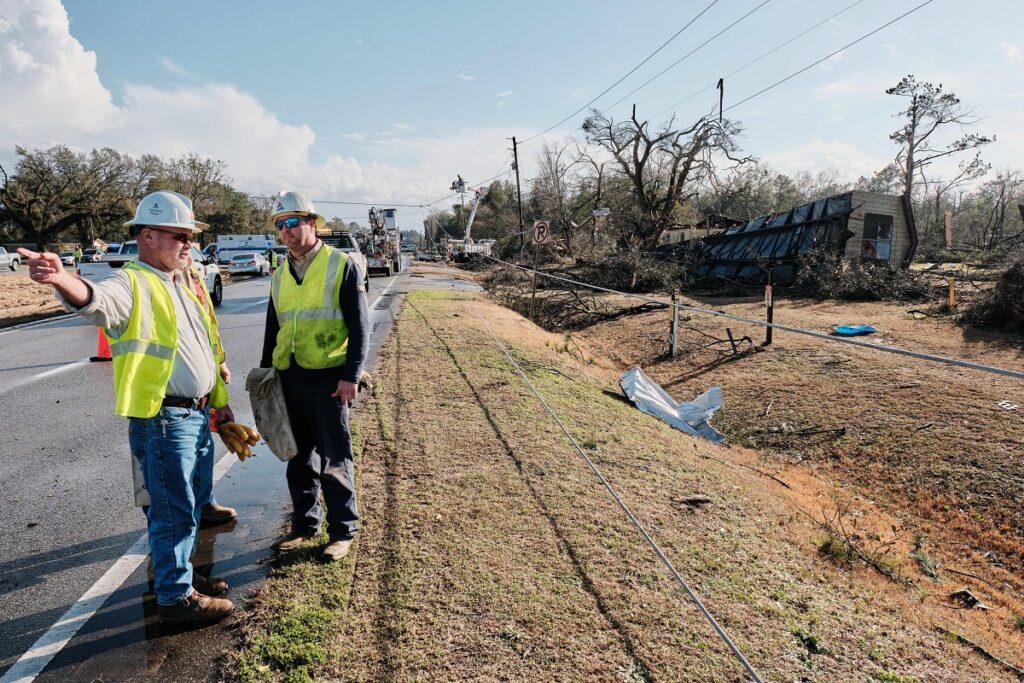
{"points": [[687, 416]]}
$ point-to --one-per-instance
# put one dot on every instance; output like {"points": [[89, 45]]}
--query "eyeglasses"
{"points": [[289, 223], [183, 237]]}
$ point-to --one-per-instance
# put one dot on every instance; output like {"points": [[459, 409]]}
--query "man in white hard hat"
{"points": [[165, 381], [317, 336]]}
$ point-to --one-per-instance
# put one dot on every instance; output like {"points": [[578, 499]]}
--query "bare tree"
{"points": [[57, 189], [930, 113], [663, 168]]}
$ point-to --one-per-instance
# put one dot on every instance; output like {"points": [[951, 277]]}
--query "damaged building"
{"points": [[864, 226]]}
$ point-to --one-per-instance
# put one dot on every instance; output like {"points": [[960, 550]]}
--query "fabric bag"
{"points": [[270, 413]]}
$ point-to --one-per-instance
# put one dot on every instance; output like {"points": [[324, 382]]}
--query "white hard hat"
{"points": [[166, 209], [294, 203]]}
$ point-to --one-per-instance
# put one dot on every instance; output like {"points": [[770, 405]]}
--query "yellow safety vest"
{"points": [[144, 353], [218, 346], [311, 323]]}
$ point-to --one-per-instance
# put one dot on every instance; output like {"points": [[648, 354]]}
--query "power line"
{"points": [[1016, 374], [758, 59], [629, 73], [828, 56], [680, 60], [500, 173], [629, 513]]}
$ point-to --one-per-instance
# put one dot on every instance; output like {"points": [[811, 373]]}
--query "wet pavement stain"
{"points": [[124, 640]]}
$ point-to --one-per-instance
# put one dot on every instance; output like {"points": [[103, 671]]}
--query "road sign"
{"points": [[541, 230]]}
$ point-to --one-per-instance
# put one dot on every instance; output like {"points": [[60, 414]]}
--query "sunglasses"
{"points": [[289, 223], [183, 237]]}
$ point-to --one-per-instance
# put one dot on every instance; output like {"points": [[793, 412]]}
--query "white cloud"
{"points": [[466, 77], [893, 51], [41, 63], [819, 155], [503, 94], [174, 68], [46, 75], [1011, 53], [848, 88]]}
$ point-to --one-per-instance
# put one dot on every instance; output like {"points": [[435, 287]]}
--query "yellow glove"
{"points": [[238, 438]]}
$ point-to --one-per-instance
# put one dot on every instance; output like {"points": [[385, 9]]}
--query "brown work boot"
{"points": [[196, 609], [336, 550], [213, 585], [292, 541], [214, 514]]}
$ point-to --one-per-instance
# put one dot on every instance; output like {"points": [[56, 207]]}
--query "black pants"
{"points": [[319, 422]]}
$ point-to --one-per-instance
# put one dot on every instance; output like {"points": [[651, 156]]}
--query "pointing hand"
{"points": [[43, 267]]}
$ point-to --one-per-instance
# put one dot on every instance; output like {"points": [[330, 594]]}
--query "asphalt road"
{"points": [[65, 482]]}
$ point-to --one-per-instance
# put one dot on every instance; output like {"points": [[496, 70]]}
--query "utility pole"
{"points": [[519, 192]]}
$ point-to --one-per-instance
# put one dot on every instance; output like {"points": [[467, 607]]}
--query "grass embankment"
{"points": [[488, 550]]}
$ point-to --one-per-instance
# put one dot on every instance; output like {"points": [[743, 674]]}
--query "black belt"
{"points": [[182, 402]]}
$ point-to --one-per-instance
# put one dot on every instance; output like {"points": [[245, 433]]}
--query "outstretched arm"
{"points": [[46, 268]]}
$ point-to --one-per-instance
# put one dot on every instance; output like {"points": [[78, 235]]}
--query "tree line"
{"points": [[62, 195], [648, 178], [653, 177]]}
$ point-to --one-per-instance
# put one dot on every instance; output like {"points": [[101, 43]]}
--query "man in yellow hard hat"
{"points": [[165, 381], [317, 336]]}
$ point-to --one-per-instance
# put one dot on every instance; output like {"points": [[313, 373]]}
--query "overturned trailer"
{"points": [[866, 226]]}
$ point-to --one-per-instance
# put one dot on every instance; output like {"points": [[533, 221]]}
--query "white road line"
{"points": [[383, 293], [43, 375], [53, 641], [42, 652], [35, 659]]}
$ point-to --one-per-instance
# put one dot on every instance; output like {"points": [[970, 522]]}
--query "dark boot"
{"points": [[213, 585], [196, 609], [214, 514]]}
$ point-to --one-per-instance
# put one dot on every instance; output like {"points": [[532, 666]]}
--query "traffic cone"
{"points": [[102, 347]]}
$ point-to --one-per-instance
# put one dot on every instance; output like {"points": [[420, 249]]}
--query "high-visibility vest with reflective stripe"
{"points": [[218, 346], [144, 353], [312, 327]]}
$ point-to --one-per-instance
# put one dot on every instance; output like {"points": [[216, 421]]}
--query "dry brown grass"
{"points": [[490, 552], [22, 300]]}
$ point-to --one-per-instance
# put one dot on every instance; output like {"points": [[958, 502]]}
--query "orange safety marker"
{"points": [[102, 347]]}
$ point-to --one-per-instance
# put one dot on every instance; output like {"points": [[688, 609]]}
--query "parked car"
{"points": [[91, 255], [249, 263], [68, 258], [207, 267], [121, 254], [9, 259]]}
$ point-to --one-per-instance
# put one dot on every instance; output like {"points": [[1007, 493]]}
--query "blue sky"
{"points": [[388, 101]]}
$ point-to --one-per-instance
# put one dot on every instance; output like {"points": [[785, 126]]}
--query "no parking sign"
{"points": [[541, 230]]}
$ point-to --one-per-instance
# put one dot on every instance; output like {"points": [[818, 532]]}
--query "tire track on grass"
{"points": [[391, 587], [563, 542]]}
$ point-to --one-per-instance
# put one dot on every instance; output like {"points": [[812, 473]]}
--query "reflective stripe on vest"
{"points": [[144, 353], [312, 326]]}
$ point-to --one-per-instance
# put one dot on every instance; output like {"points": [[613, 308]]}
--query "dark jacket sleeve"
{"points": [[352, 300], [269, 336]]}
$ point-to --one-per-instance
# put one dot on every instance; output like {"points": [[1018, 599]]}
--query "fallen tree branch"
{"points": [[973, 576], [982, 651]]}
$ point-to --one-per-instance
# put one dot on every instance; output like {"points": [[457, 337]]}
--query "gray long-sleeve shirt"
{"points": [[193, 369]]}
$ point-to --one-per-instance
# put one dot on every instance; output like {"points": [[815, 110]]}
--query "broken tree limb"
{"points": [[982, 651]]}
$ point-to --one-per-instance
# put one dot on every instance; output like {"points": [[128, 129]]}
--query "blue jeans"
{"points": [[173, 448]]}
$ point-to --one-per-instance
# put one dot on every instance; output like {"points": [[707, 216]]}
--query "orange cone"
{"points": [[102, 347]]}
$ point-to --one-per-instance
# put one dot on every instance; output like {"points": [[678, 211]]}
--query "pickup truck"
{"points": [[9, 259], [128, 251], [346, 242]]}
